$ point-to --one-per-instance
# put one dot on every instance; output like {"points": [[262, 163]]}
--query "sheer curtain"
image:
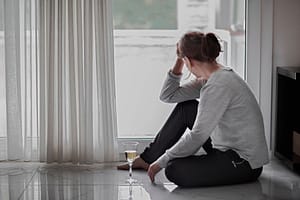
{"points": [[60, 98], [18, 122]]}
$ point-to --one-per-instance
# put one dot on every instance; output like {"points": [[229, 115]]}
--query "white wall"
{"points": [[275, 41], [286, 33], [286, 41]]}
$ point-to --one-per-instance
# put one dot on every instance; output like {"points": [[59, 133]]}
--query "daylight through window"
{"points": [[145, 36]]}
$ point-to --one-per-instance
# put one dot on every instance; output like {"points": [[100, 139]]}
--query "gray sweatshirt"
{"points": [[227, 112]]}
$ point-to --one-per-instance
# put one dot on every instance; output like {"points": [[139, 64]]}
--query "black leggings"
{"points": [[214, 168]]}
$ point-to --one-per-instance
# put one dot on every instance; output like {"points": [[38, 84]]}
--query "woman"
{"points": [[226, 122]]}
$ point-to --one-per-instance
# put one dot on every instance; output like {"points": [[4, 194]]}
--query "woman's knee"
{"points": [[175, 173], [170, 171]]}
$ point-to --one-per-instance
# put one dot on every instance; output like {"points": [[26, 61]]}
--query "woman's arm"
{"points": [[173, 92], [177, 69]]}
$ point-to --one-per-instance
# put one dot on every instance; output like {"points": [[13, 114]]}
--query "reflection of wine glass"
{"points": [[130, 154], [130, 192]]}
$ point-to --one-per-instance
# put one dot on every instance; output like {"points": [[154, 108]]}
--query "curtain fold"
{"points": [[18, 137], [79, 117], [12, 46], [59, 95]]}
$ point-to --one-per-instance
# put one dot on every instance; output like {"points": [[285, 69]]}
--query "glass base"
{"points": [[131, 181]]}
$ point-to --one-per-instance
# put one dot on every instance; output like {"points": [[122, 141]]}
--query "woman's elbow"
{"points": [[167, 99]]}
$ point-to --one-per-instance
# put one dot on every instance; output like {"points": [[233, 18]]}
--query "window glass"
{"points": [[145, 14], [145, 37]]}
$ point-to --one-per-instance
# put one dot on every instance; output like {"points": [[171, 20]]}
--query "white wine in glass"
{"points": [[130, 149], [130, 155]]}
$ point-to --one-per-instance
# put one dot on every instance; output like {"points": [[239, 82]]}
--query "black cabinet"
{"points": [[287, 115]]}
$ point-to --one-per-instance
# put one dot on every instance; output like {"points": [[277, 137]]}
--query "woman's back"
{"points": [[240, 128]]}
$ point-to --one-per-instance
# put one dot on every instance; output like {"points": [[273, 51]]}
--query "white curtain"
{"points": [[18, 122], [61, 103]]}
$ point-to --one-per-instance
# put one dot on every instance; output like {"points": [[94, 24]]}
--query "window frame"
{"points": [[253, 58]]}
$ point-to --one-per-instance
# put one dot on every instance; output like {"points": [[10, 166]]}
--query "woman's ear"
{"points": [[187, 62]]}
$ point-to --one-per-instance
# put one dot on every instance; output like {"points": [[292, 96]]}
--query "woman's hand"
{"points": [[178, 66], [178, 52], [153, 169]]}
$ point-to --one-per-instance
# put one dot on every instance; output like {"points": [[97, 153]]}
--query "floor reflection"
{"points": [[87, 192], [251, 191], [60, 182], [91, 182], [14, 179], [131, 192]]}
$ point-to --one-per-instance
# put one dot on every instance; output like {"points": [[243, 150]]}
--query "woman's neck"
{"points": [[204, 70]]}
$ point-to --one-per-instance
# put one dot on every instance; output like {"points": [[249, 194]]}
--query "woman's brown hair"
{"points": [[200, 46]]}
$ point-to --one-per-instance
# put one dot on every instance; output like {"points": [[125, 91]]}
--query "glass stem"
{"points": [[130, 170]]}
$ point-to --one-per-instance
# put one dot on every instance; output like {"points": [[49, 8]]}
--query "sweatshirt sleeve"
{"points": [[173, 92], [214, 100]]}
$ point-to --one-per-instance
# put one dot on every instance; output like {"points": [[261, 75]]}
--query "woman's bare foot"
{"points": [[138, 163]]}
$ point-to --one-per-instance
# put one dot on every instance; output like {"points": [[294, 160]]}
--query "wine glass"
{"points": [[130, 149]]}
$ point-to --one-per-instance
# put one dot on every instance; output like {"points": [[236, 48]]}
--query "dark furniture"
{"points": [[287, 115]]}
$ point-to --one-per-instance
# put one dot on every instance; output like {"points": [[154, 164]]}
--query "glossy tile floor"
{"points": [[33, 181]]}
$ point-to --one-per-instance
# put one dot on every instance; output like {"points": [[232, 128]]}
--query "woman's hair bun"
{"points": [[212, 37], [212, 46]]}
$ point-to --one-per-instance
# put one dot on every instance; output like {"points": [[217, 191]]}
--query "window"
{"points": [[145, 14], [145, 34]]}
